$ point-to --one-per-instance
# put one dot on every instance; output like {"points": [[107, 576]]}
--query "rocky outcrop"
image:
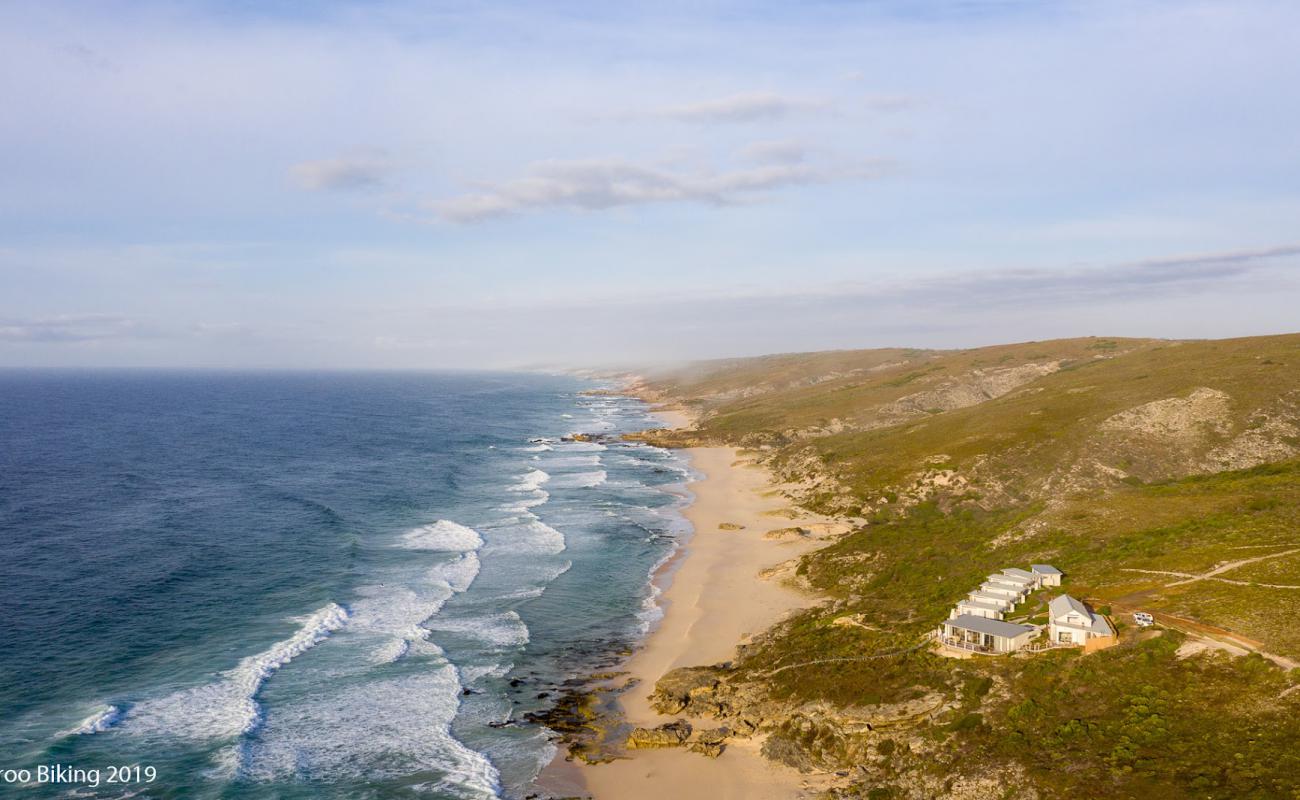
{"points": [[1203, 412], [670, 734], [962, 391], [693, 688], [710, 742]]}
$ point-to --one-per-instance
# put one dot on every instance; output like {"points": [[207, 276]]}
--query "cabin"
{"points": [[1070, 622], [1010, 580], [982, 635], [1000, 600], [1013, 593], [1048, 575], [1023, 577], [975, 608]]}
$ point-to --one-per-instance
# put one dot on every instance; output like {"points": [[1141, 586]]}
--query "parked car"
{"points": [[1143, 619]]}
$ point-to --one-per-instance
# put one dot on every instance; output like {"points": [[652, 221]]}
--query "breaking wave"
{"points": [[229, 706]]}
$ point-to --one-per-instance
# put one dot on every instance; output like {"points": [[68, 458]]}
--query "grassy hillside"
{"points": [[1158, 475]]}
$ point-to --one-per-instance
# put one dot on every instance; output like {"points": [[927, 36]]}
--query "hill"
{"points": [[1158, 475]]}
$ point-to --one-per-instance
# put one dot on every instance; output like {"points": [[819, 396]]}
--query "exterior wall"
{"points": [[1002, 589], [1018, 588], [1051, 580], [1099, 643], [1001, 600], [1000, 644], [1010, 645], [1032, 581], [987, 613], [1078, 633]]}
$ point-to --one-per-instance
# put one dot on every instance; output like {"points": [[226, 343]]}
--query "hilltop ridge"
{"points": [[1160, 475]]}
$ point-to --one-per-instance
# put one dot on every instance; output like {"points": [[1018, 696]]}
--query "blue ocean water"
{"points": [[313, 585]]}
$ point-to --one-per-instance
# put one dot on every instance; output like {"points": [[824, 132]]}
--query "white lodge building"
{"points": [[1048, 575], [1071, 622], [985, 635]]}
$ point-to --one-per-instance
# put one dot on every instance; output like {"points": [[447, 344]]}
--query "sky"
{"points": [[419, 185]]}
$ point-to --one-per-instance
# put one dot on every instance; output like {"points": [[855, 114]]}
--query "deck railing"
{"points": [[1034, 647], [965, 645]]}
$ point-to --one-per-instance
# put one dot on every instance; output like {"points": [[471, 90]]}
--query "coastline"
{"points": [[713, 599]]}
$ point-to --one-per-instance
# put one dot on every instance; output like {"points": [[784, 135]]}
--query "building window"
{"points": [[1064, 637]]}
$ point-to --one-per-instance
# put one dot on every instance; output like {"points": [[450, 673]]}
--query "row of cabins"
{"points": [[977, 623], [1002, 591]]}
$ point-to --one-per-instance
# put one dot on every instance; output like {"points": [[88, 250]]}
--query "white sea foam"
{"points": [[393, 650], [538, 538], [531, 481], [228, 707], [581, 480], [397, 612], [579, 447], [504, 630], [537, 448], [103, 719], [442, 535], [534, 499], [573, 461], [373, 729]]}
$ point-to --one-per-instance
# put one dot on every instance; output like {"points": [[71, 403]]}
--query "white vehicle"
{"points": [[1143, 619]]}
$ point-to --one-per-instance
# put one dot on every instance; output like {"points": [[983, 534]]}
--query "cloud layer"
{"points": [[344, 173], [598, 184], [743, 107]]}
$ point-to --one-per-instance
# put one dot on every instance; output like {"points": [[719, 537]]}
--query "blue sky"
{"points": [[402, 184]]}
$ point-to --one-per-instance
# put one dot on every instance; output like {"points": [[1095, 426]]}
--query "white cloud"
{"points": [[596, 184], [343, 174], [744, 107], [69, 328]]}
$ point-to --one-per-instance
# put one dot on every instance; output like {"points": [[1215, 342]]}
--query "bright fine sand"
{"points": [[714, 600]]}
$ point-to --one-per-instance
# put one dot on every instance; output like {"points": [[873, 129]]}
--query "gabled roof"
{"points": [[1017, 572], [1100, 626], [995, 627], [1000, 600], [979, 604], [1063, 604], [1002, 577], [1045, 569], [1002, 587]]}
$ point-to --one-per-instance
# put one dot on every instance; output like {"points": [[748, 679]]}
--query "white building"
{"points": [[982, 635], [1010, 580], [976, 608], [1048, 574], [1015, 593], [1023, 577], [1071, 622], [1000, 600]]}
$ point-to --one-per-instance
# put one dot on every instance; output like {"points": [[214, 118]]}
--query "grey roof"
{"points": [[1001, 599], [1100, 626], [1001, 577], [1017, 572], [994, 586], [978, 604], [994, 627], [1063, 604], [1045, 569]]}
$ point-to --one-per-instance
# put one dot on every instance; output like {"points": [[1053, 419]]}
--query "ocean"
{"points": [[312, 585]]}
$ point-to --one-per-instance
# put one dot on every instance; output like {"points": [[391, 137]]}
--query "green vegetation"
{"points": [[1135, 466]]}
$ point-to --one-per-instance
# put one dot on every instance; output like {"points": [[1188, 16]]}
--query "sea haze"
{"points": [[315, 585]]}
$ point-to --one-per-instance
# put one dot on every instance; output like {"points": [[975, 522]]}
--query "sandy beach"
{"points": [[714, 599]]}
